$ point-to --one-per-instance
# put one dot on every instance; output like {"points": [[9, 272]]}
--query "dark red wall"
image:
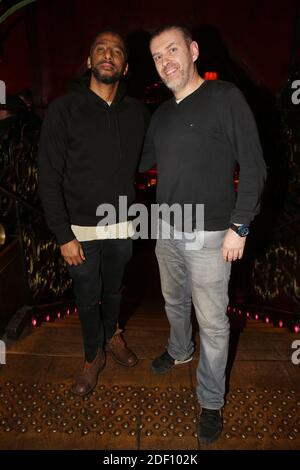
{"points": [[49, 41]]}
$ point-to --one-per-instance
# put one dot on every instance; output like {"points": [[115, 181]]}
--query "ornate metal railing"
{"points": [[277, 272], [21, 213]]}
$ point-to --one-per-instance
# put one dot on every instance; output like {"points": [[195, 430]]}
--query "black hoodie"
{"points": [[88, 155]]}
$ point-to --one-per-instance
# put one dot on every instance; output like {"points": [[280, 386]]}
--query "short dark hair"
{"points": [[114, 33], [183, 29]]}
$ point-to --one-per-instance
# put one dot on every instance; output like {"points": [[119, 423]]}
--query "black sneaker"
{"points": [[165, 362], [210, 426]]}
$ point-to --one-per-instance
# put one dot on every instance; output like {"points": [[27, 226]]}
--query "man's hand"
{"points": [[72, 253], [233, 246]]}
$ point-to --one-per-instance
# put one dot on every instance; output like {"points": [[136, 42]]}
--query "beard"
{"points": [[177, 83], [107, 79], [181, 79]]}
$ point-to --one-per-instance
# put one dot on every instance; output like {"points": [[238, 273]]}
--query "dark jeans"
{"points": [[99, 278]]}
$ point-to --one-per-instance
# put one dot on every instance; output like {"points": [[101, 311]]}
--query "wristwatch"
{"points": [[241, 230]]}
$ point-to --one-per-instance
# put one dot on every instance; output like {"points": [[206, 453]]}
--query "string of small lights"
{"points": [[270, 316], [51, 314]]}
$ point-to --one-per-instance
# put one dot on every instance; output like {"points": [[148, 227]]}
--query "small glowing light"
{"points": [[280, 323], [48, 318], [233, 309], [34, 322], [58, 315], [296, 328], [228, 308], [267, 320], [240, 312], [68, 312], [75, 310], [256, 316], [210, 76], [248, 315]]}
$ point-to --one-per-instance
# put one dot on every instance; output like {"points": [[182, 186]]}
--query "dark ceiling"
{"points": [[47, 42]]}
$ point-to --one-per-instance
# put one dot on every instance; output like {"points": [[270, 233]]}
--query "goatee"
{"points": [[107, 79]]}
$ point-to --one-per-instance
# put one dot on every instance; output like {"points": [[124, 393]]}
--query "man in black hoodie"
{"points": [[90, 144]]}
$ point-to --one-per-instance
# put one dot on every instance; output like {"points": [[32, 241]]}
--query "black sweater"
{"points": [[88, 155], [196, 145]]}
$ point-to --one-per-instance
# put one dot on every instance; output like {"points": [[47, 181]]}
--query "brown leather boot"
{"points": [[88, 378], [117, 347]]}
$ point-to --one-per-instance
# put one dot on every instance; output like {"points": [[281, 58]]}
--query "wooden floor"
{"points": [[135, 409]]}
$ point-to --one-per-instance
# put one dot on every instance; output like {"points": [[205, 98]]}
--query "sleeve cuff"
{"points": [[64, 234]]}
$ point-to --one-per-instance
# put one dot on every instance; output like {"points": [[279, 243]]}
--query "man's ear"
{"points": [[125, 70], [194, 48], [88, 63]]}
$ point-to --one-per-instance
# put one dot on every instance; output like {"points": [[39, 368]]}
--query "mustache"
{"points": [[107, 62], [169, 66]]}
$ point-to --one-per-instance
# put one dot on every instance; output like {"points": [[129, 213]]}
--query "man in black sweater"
{"points": [[196, 139], [89, 149]]}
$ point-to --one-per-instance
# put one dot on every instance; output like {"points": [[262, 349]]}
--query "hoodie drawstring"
{"points": [[116, 117]]}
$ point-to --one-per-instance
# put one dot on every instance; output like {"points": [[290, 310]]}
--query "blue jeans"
{"points": [[202, 276], [99, 278]]}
